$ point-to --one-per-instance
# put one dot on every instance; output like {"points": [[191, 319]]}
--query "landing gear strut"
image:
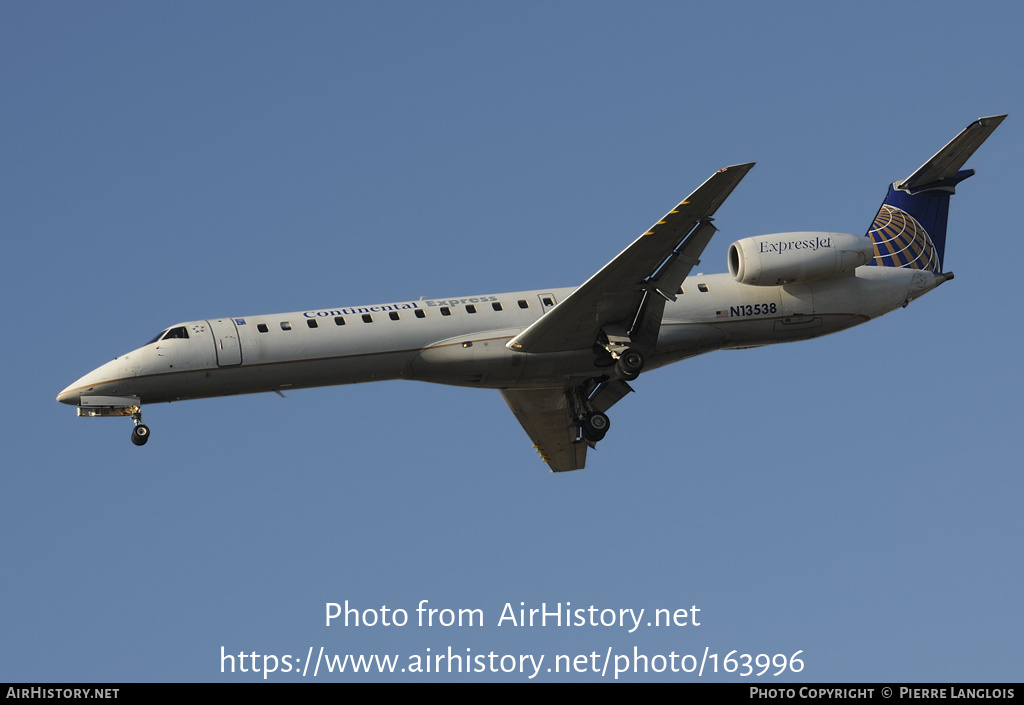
{"points": [[629, 361], [590, 399], [117, 406]]}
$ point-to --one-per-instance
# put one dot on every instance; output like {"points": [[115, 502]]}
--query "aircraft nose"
{"points": [[72, 393], [67, 396], [88, 384]]}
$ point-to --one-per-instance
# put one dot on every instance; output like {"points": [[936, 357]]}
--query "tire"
{"points": [[595, 426], [140, 434], [630, 364]]}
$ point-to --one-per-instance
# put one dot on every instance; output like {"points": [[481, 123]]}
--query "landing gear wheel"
{"points": [[140, 434], [629, 364], [595, 425]]}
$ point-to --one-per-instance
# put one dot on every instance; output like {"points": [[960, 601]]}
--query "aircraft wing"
{"points": [[544, 414], [627, 290]]}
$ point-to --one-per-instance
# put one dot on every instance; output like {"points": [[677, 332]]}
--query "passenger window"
{"points": [[367, 318], [470, 308], [496, 305], [262, 327], [420, 313], [285, 325], [547, 301], [393, 315], [312, 323], [703, 288], [339, 320], [523, 303], [445, 311]]}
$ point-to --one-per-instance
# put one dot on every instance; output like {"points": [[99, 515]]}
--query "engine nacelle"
{"points": [[769, 260]]}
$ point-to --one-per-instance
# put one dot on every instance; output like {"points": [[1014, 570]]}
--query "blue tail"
{"points": [[910, 228]]}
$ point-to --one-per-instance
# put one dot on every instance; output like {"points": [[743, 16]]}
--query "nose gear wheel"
{"points": [[140, 434]]}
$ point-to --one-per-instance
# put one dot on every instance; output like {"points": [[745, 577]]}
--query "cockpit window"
{"points": [[156, 337], [178, 332]]}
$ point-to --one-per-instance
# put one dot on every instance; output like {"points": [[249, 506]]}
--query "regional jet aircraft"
{"points": [[563, 357]]}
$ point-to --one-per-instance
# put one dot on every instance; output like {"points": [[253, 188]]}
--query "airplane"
{"points": [[562, 357]]}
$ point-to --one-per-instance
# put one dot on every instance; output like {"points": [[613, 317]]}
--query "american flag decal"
{"points": [[724, 313]]}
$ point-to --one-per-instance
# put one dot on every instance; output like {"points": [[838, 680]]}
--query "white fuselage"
{"points": [[462, 341]]}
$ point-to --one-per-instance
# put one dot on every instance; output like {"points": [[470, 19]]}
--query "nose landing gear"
{"points": [[117, 406], [140, 434]]}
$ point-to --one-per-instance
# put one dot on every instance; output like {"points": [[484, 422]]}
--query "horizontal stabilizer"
{"points": [[910, 227], [949, 160]]}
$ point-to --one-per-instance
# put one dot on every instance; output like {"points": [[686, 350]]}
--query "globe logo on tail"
{"points": [[901, 241]]}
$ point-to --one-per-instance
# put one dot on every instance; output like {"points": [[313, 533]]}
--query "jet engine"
{"points": [[769, 260]]}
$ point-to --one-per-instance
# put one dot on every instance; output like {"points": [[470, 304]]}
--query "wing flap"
{"points": [[666, 283], [615, 294]]}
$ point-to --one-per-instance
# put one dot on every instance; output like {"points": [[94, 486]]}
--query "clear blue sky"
{"points": [[856, 498]]}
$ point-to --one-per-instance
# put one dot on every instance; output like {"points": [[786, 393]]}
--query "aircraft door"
{"points": [[547, 301], [225, 341]]}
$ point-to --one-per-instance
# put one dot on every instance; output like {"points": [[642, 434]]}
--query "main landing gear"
{"points": [[593, 398], [629, 364], [594, 426]]}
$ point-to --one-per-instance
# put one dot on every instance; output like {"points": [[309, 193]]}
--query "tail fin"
{"points": [[910, 228]]}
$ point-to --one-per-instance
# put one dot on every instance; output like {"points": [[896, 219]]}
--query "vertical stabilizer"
{"points": [[910, 227]]}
